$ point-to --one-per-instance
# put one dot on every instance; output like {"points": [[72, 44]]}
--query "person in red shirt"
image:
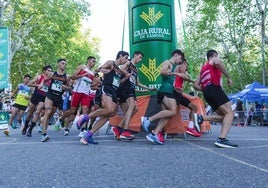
{"points": [[209, 82], [192, 129], [37, 101]]}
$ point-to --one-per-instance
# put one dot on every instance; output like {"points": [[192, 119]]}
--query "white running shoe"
{"points": [[82, 133]]}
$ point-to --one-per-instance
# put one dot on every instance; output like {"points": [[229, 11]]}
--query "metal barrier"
{"points": [[250, 118]]}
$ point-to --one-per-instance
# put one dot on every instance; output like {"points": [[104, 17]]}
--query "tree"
{"points": [[44, 31], [229, 26]]}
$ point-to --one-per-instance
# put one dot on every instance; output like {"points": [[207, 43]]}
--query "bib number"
{"points": [[56, 86], [116, 81]]}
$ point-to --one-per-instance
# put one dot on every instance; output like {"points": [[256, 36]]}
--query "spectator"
{"points": [[240, 111], [250, 114]]}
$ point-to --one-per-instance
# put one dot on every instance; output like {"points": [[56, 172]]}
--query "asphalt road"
{"points": [[180, 162]]}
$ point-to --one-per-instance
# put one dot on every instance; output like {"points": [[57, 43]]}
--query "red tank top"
{"points": [[43, 90], [210, 75], [178, 84]]}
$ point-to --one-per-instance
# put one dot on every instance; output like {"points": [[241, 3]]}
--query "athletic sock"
{"points": [[191, 124], [26, 123], [32, 126]]}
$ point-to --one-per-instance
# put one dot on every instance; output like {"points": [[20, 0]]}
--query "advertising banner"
{"points": [[4, 57], [152, 31]]}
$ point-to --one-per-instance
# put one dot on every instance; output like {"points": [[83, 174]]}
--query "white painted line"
{"points": [[228, 157]]}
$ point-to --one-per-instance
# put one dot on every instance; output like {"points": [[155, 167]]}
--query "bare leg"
{"points": [[226, 110]]}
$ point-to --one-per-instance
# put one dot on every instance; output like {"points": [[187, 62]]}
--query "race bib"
{"points": [[85, 83], [44, 88], [132, 80], [116, 81], [56, 86]]}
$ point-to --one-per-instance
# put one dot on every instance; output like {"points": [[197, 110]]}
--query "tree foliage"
{"points": [[232, 27], [44, 31]]}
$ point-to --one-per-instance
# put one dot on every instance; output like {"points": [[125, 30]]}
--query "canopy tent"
{"points": [[252, 92]]}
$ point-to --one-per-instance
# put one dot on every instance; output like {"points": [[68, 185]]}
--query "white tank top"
{"points": [[83, 84]]}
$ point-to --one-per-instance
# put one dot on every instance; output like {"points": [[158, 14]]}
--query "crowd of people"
{"points": [[250, 113], [89, 97]]}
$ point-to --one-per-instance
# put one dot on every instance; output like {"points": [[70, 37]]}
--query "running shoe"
{"points": [[15, 125], [44, 138], [224, 143], [87, 139], [83, 141], [145, 123], [198, 120], [23, 132], [40, 129], [117, 132], [82, 133], [154, 139], [58, 122], [193, 132], [127, 135], [66, 132], [84, 118], [57, 127], [6, 132], [29, 132], [161, 136]]}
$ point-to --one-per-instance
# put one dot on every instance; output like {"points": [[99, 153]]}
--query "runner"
{"points": [[192, 129], [23, 92], [127, 95], [209, 82], [58, 82], [37, 100], [165, 96], [111, 81], [83, 76]]}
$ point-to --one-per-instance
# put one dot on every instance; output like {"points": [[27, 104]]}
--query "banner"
{"points": [[152, 31], [4, 57]]}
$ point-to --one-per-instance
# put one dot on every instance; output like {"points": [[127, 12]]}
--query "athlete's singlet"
{"points": [[23, 95], [83, 83], [132, 70], [43, 90], [210, 75], [113, 77], [167, 82], [55, 87]]}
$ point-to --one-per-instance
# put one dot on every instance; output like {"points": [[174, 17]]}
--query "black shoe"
{"points": [[66, 132], [224, 143], [23, 132], [29, 132]]}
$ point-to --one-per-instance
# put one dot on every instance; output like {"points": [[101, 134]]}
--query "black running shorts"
{"points": [[215, 96]]}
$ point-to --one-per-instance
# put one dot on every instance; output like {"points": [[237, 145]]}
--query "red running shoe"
{"points": [[117, 132], [161, 136], [193, 132], [127, 135]]}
